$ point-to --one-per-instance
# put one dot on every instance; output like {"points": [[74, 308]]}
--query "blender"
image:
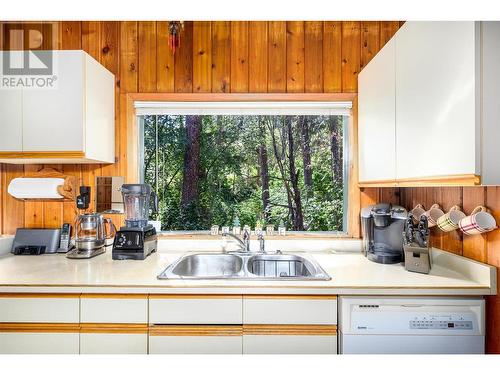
{"points": [[137, 239]]}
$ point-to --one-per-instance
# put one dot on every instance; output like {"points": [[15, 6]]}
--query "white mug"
{"points": [[417, 211], [433, 214], [479, 221]]}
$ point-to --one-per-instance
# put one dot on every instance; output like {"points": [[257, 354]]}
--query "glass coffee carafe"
{"points": [[136, 201], [92, 231]]}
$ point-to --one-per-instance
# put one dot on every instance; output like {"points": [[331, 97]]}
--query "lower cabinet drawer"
{"points": [[39, 308], [190, 309], [114, 309], [39, 343], [113, 343], [195, 340], [289, 339], [290, 310]]}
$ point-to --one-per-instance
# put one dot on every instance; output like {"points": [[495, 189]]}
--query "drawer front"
{"points": [[195, 339], [195, 310], [40, 309], [39, 343], [113, 343], [289, 344], [290, 310], [114, 310], [195, 344]]}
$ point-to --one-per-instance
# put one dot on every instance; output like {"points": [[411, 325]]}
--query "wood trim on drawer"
{"points": [[113, 328], [42, 155], [39, 295], [196, 330], [40, 327], [290, 296], [290, 329], [195, 296], [114, 296]]}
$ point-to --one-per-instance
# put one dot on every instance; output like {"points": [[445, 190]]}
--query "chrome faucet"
{"points": [[243, 244]]}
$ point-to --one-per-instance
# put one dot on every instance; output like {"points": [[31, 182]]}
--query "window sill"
{"points": [[205, 235]]}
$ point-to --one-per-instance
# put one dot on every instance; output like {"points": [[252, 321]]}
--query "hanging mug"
{"points": [[433, 214], [449, 221], [417, 211], [479, 221]]}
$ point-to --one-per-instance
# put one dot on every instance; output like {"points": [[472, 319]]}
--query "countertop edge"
{"points": [[238, 290]]}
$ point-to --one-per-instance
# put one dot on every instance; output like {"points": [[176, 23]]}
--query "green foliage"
{"points": [[230, 182]]}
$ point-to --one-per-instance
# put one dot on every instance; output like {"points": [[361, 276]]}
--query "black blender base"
{"points": [[385, 257]]}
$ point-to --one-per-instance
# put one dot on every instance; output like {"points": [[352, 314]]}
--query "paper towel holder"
{"points": [[67, 189]]}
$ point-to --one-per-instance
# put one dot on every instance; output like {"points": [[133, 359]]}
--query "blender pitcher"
{"points": [[136, 202]]}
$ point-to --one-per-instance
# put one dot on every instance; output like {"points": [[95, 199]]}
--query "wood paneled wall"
{"points": [[214, 57], [483, 248], [240, 56]]}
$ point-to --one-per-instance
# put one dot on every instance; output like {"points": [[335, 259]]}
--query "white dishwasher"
{"points": [[415, 325]]}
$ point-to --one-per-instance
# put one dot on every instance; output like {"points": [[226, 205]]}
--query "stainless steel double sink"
{"points": [[244, 266]]}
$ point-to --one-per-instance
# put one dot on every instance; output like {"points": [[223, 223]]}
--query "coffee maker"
{"points": [[137, 239], [382, 227]]}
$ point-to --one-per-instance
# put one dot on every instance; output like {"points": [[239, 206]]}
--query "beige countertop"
{"points": [[351, 273]]}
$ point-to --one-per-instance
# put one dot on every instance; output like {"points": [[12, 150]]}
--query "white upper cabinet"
{"points": [[53, 120], [72, 122], [11, 120], [376, 117], [445, 115], [435, 100]]}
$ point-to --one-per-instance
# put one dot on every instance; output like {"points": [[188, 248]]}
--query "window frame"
{"points": [[351, 189]]}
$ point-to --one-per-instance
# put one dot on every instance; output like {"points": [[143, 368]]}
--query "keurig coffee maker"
{"points": [[137, 239], [382, 227]]}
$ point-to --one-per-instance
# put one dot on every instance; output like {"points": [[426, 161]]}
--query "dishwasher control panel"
{"points": [[413, 316], [441, 324]]}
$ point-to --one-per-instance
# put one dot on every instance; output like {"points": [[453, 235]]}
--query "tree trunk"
{"points": [[335, 147], [294, 178], [264, 171], [190, 182], [279, 156], [305, 143]]}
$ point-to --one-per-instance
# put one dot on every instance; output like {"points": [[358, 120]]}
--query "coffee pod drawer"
{"points": [[195, 309], [290, 309], [39, 308], [124, 308]]}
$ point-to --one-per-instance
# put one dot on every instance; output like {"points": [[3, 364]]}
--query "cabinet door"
{"points": [[11, 120], [289, 344], [377, 117], [435, 99], [53, 119], [195, 339], [113, 343], [39, 343]]}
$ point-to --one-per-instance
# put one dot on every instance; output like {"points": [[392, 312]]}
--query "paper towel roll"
{"points": [[35, 188]]}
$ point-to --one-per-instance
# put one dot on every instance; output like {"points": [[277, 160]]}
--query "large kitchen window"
{"points": [[246, 164]]}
